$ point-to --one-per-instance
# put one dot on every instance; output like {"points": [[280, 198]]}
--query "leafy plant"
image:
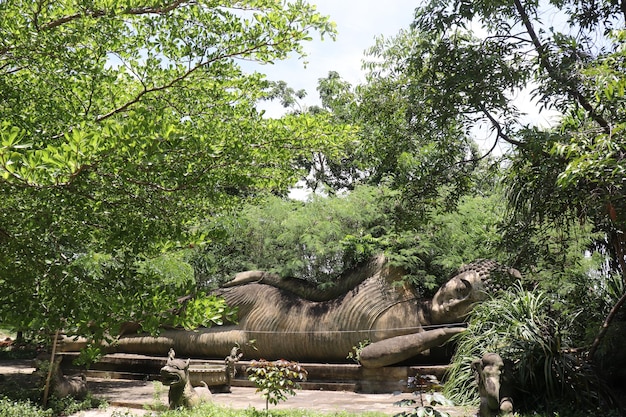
{"points": [[10, 408], [427, 400], [315, 240], [114, 149], [274, 380], [521, 327], [157, 404], [355, 353]]}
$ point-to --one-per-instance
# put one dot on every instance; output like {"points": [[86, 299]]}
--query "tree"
{"points": [[121, 124], [314, 240], [319, 239], [573, 170], [430, 160]]}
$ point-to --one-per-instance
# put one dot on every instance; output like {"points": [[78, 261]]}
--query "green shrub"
{"points": [[276, 379], [520, 326], [11, 408]]}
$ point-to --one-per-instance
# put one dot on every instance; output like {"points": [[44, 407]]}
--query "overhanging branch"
{"points": [[166, 8], [552, 72], [499, 131]]}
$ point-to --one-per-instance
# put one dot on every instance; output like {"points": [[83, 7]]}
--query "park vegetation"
{"points": [[137, 172]]}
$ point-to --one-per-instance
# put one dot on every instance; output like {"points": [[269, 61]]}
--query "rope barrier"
{"points": [[433, 326]]}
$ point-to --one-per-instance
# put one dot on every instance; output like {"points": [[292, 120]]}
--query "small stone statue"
{"points": [[175, 374], [231, 360], [67, 386], [493, 386]]}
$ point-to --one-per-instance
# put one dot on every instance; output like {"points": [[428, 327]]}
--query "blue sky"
{"points": [[358, 23]]}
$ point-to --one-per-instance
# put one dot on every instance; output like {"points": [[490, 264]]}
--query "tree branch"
{"points": [[129, 11], [620, 254], [498, 127], [176, 80], [605, 326], [545, 63]]}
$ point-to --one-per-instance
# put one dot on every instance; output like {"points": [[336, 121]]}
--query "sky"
{"points": [[359, 22]]}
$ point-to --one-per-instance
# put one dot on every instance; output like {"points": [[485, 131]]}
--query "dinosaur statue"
{"points": [[288, 318], [493, 385], [175, 374]]}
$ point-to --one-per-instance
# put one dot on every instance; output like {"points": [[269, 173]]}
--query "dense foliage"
{"points": [[319, 239], [136, 170], [121, 125], [546, 371]]}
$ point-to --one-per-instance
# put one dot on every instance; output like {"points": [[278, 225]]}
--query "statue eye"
{"points": [[466, 288]]}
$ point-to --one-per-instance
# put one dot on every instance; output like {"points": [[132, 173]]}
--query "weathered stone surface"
{"points": [[493, 386], [67, 386], [175, 374], [290, 319]]}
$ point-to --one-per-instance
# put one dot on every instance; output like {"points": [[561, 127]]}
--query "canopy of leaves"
{"points": [[121, 124], [320, 239], [401, 143], [479, 56], [577, 69]]}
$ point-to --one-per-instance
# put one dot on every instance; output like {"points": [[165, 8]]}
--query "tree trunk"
{"points": [[46, 389], [619, 252]]}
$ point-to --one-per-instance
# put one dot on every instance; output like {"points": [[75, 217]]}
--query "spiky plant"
{"points": [[518, 325]]}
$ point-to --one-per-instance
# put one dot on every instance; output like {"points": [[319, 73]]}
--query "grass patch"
{"points": [[25, 408], [213, 410]]}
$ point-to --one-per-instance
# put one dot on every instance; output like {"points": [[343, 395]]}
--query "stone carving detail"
{"points": [[175, 374], [493, 385], [231, 360], [289, 318]]}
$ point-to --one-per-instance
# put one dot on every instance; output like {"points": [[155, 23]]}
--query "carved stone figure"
{"points": [[175, 374], [67, 386], [60, 385], [493, 386], [231, 360], [289, 318]]}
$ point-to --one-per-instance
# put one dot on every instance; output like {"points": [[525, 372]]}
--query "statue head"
{"points": [[494, 385], [454, 300], [175, 372]]}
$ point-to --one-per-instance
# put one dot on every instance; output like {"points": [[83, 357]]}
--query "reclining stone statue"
{"points": [[288, 318], [494, 385], [175, 374]]}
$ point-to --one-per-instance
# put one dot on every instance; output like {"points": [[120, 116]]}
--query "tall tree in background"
{"points": [[571, 54], [430, 160], [121, 124]]}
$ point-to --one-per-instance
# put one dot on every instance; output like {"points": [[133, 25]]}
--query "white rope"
{"points": [[434, 326]]}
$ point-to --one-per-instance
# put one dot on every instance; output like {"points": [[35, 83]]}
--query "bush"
{"points": [[11, 408], [315, 241], [276, 379], [547, 372]]}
